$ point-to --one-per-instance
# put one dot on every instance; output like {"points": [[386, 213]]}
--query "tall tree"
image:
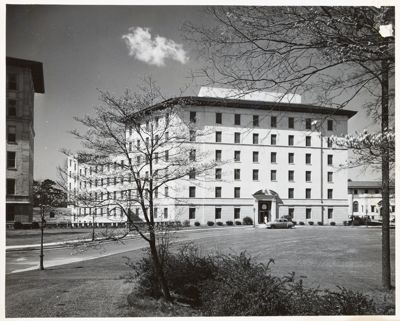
{"points": [[331, 55], [136, 146]]}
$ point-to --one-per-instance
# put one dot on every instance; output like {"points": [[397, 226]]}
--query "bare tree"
{"points": [[136, 146], [331, 55]]}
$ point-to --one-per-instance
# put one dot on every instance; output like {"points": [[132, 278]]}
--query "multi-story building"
{"points": [[365, 199], [273, 159], [24, 79]]}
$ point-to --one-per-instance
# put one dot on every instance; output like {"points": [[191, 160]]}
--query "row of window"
{"points": [[11, 160], [256, 121], [364, 191], [123, 194], [273, 155], [236, 192], [156, 123], [113, 211], [273, 139], [374, 208], [11, 108], [11, 134], [12, 81], [273, 175]]}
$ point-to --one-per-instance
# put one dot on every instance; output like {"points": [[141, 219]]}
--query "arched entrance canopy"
{"points": [[266, 203]]}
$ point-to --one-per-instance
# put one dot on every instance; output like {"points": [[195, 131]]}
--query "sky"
{"points": [[112, 48]]}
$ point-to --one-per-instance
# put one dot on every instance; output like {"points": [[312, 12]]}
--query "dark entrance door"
{"points": [[264, 209]]}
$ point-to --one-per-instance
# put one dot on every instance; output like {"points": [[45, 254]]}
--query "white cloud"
{"points": [[153, 51]]}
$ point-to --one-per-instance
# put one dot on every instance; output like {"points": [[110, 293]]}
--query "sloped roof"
{"points": [[367, 184]]}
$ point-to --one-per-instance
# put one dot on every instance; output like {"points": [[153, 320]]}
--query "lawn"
{"points": [[325, 256]]}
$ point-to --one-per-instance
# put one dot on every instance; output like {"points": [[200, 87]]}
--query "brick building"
{"points": [[24, 79]]}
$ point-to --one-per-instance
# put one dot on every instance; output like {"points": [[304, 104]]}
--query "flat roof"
{"points": [[261, 105], [367, 184], [36, 69]]}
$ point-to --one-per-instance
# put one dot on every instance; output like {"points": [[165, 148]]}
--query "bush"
{"points": [[35, 225], [18, 226], [210, 223], [220, 223], [247, 221], [332, 223], [238, 223], [294, 222], [196, 223], [345, 223], [301, 223], [230, 223], [186, 223], [319, 223], [310, 222]]}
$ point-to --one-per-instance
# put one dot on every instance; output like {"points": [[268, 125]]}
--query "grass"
{"points": [[322, 256]]}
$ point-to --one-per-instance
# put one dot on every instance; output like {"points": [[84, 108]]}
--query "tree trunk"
{"points": [[386, 276], [159, 269], [41, 241]]}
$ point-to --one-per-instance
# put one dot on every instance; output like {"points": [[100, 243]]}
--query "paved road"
{"points": [[19, 260]]}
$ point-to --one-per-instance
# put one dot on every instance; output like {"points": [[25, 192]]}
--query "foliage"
{"points": [[219, 223], [45, 193], [238, 223], [186, 223], [210, 223], [319, 223], [310, 223], [229, 223], [332, 223], [196, 223], [301, 223], [247, 220], [18, 226]]}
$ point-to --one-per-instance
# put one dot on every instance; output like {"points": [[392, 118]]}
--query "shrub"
{"points": [[238, 223], [230, 223], [247, 221], [210, 223], [18, 226], [319, 223], [301, 223], [294, 222], [186, 223], [332, 223], [345, 223], [196, 223], [310, 222], [35, 225], [220, 223]]}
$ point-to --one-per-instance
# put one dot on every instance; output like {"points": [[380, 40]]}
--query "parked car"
{"points": [[280, 223]]}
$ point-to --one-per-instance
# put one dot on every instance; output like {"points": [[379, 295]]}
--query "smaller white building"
{"points": [[365, 198]]}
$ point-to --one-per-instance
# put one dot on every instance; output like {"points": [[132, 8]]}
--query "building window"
{"points": [[192, 116], [330, 213], [273, 121], [255, 139], [236, 173], [330, 124], [355, 207], [330, 193], [255, 174], [12, 82], [308, 123], [308, 176], [308, 213], [166, 191], [165, 212], [291, 212], [218, 118], [255, 121], [192, 136], [373, 208], [218, 213], [192, 173], [237, 138], [366, 191], [218, 154], [291, 176], [192, 213], [236, 155], [330, 177], [236, 192], [11, 107], [273, 157], [10, 186], [192, 155], [218, 191], [291, 140], [11, 160], [237, 119], [330, 159], [291, 158], [355, 191], [308, 193], [291, 193], [255, 157], [308, 158], [192, 191], [291, 122], [273, 139], [377, 191], [218, 137], [218, 173], [11, 134], [329, 142], [308, 141], [273, 175], [393, 207], [236, 213]]}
